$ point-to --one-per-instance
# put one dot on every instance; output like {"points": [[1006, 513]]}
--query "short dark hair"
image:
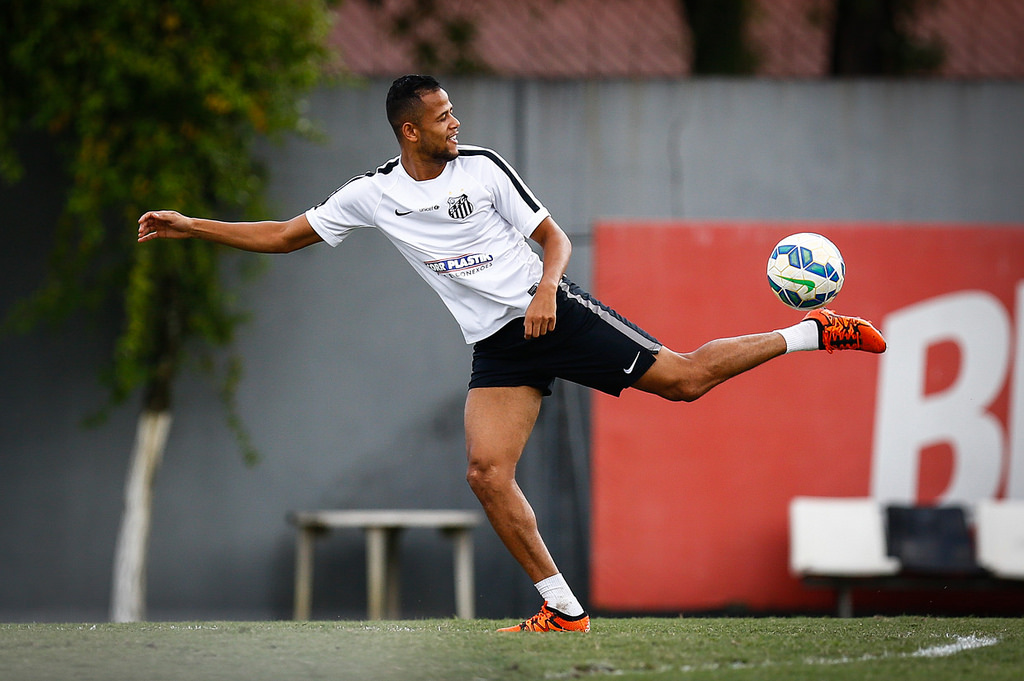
{"points": [[403, 102]]}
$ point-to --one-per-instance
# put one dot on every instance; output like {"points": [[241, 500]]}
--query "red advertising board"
{"points": [[690, 501]]}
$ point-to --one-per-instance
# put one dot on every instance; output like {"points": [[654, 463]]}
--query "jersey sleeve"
{"points": [[350, 207], [512, 198]]}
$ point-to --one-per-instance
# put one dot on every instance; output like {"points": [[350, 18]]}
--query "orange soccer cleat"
{"points": [[846, 333], [549, 619]]}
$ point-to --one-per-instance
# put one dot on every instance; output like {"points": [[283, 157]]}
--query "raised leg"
{"points": [[685, 377]]}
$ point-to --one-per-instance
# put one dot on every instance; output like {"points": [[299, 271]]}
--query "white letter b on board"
{"points": [[907, 420]]}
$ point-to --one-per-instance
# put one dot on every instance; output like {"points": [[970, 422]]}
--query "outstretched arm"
{"points": [[267, 236], [540, 315]]}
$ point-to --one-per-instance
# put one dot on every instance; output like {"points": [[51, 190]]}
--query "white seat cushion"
{"points": [[999, 536], [838, 538]]}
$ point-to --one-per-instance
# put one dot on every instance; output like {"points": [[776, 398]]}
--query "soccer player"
{"points": [[461, 216]]}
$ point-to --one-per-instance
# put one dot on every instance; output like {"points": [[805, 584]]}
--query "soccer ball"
{"points": [[806, 271]]}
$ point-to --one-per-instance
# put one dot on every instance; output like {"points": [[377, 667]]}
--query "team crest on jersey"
{"points": [[459, 207], [461, 266]]}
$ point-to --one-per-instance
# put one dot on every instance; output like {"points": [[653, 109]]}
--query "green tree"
{"points": [[438, 39], [719, 32], [151, 104], [875, 38]]}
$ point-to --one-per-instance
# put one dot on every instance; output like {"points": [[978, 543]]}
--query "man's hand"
{"points": [[164, 224], [540, 315]]}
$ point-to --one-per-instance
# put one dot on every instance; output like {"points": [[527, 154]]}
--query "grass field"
{"points": [[903, 648]]}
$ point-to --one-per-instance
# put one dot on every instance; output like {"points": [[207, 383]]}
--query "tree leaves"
{"points": [[152, 105]]}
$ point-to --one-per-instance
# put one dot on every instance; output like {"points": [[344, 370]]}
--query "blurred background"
{"points": [[333, 378]]}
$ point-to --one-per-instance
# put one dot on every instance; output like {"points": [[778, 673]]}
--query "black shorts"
{"points": [[591, 345]]}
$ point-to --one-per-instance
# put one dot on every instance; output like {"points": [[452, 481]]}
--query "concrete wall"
{"points": [[355, 373]]}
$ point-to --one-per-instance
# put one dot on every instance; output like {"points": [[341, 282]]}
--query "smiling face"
{"points": [[437, 129]]}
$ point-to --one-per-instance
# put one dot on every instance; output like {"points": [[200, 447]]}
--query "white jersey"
{"points": [[464, 232]]}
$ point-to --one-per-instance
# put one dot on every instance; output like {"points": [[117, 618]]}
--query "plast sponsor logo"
{"points": [[462, 265]]}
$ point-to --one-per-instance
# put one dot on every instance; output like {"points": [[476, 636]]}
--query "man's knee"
{"points": [[476, 475], [486, 476], [676, 377], [682, 390]]}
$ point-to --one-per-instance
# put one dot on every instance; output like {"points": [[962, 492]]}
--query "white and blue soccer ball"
{"points": [[806, 271]]}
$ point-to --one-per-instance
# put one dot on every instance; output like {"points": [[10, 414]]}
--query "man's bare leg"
{"points": [[685, 377], [498, 424]]}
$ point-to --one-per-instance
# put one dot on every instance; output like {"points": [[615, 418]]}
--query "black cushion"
{"points": [[930, 539]]}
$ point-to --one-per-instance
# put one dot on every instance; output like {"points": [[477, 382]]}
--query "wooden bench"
{"points": [[382, 529]]}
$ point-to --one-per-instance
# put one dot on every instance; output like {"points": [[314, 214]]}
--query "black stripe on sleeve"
{"points": [[516, 182], [383, 170]]}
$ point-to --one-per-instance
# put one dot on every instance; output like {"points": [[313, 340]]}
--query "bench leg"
{"points": [[392, 582], [844, 600], [463, 559], [304, 573], [383, 589], [376, 569]]}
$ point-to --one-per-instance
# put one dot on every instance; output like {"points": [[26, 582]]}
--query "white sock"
{"points": [[555, 590], [802, 336]]}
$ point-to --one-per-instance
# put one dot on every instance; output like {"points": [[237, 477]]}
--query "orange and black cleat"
{"points": [[836, 332], [549, 619]]}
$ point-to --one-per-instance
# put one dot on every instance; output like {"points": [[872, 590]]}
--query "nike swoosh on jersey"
{"points": [[400, 213], [632, 366]]}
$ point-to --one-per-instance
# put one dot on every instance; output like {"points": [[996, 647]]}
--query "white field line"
{"points": [[959, 644]]}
